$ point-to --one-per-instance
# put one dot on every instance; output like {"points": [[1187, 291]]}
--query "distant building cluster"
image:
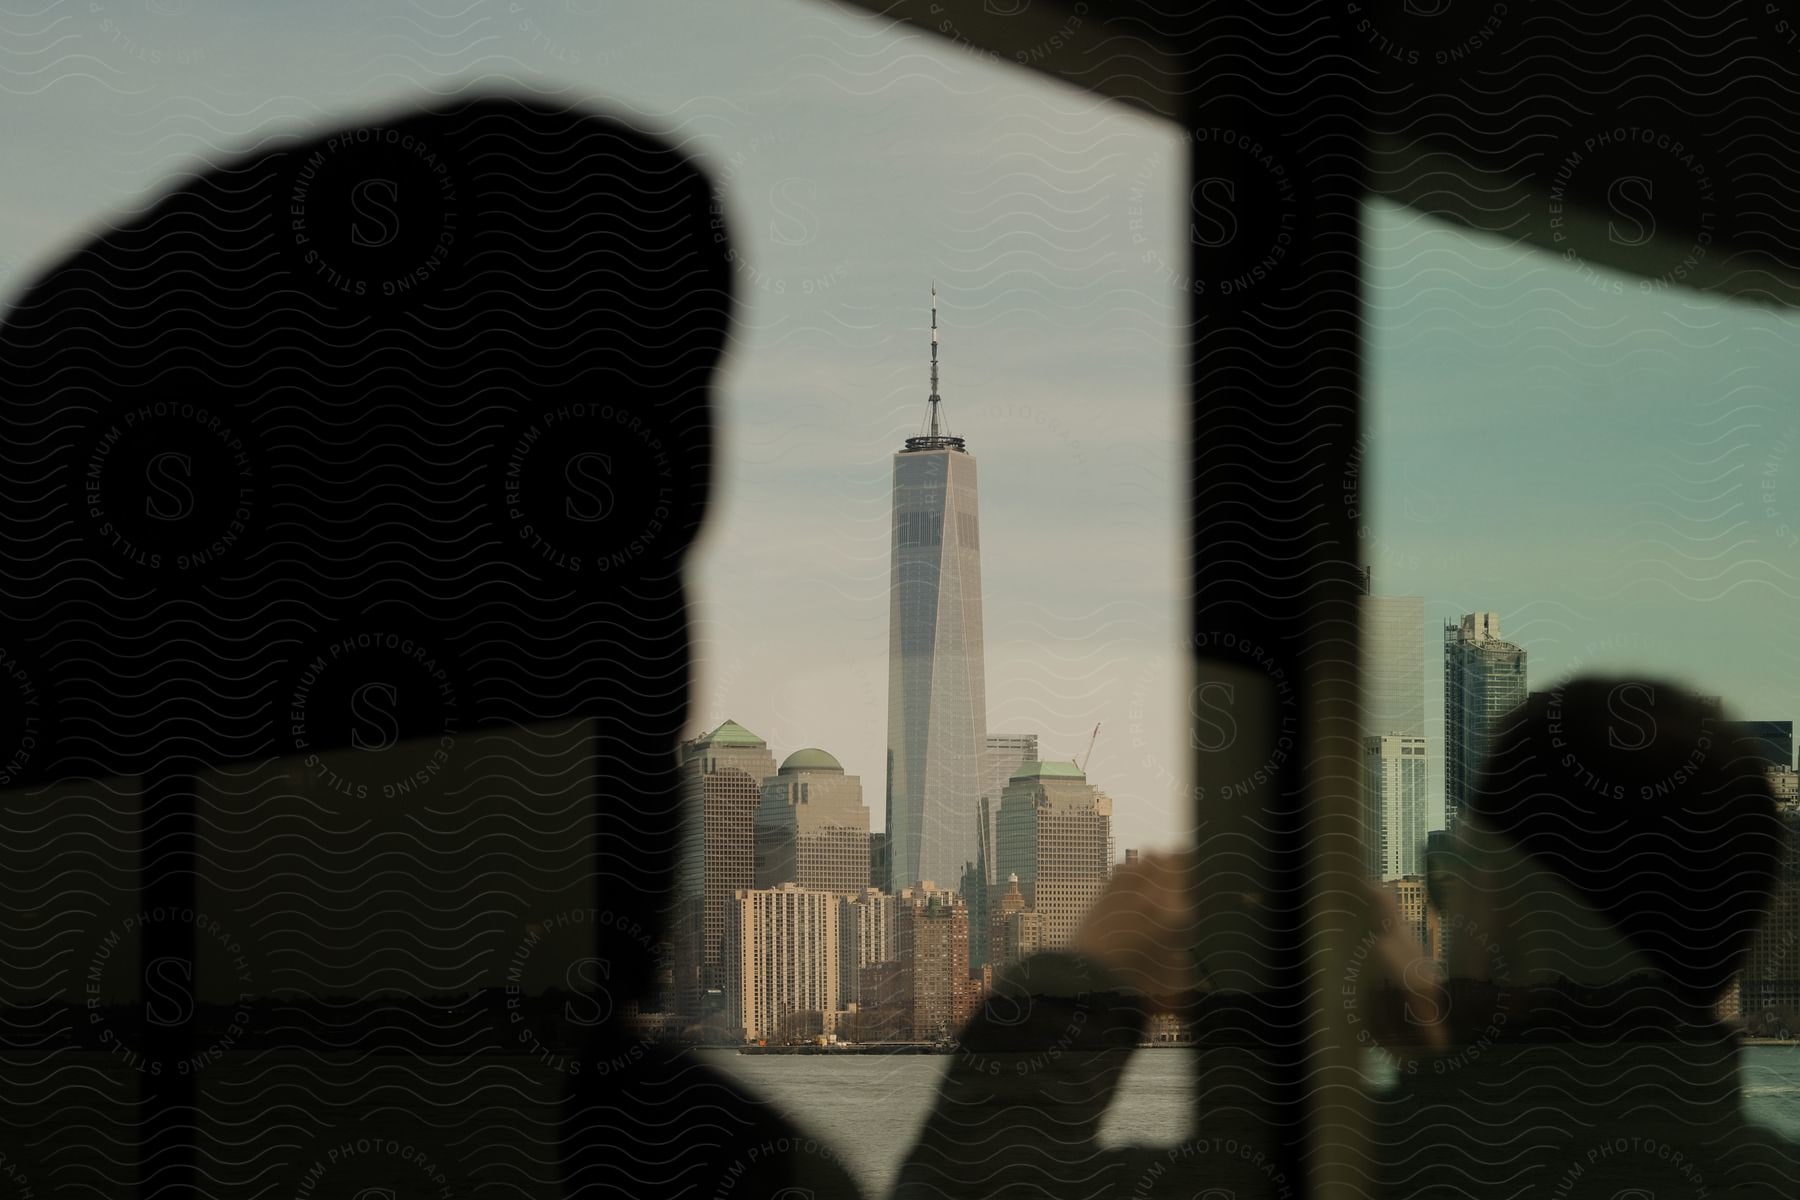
{"points": [[1484, 679], [788, 930], [796, 922]]}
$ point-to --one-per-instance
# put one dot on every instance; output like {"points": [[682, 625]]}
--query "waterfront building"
{"points": [[722, 775], [781, 961], [936, 943], [937, 694], [1055, 834], [884, 1014], [812, 827], [865, 936]]}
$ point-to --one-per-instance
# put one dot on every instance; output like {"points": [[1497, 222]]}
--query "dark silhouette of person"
{"points": [[348, 487], [1619, 857], [1597, 901]]}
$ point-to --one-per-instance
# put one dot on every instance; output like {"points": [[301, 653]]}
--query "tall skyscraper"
{"points": [[937, 693], [780, 961], [1056, 836], [1484, 679], [723, 772], [1393, 665], [812, 827], [1395, 787]]}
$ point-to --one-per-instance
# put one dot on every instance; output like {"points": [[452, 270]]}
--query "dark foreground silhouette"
{"points": [[347, 488], [1597, 902]]}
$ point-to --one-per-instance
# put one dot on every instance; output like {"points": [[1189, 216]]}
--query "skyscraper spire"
{"points": [[937, 435], [935, 398]]}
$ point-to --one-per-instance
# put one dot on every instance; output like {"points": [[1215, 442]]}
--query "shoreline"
{"points": [[891, 1048]]}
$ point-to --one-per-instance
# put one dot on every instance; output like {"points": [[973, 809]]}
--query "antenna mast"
{"points": [[937, 435], [935, 399]]}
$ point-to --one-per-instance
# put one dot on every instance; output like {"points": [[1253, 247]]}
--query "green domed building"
{"points": [[812, 827]]}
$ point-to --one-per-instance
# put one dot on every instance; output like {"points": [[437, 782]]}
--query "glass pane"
{"points": [[934, 611], [1581, 562], [392, 983]]}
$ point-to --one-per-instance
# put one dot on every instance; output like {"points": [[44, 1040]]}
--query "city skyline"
{"points": [[1513, 399]]}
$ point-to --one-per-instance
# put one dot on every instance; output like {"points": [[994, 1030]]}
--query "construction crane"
{"points": [[1082, 763]]}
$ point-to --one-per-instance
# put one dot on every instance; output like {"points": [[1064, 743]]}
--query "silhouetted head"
{"points": [[1628, 792], [383, 440]]}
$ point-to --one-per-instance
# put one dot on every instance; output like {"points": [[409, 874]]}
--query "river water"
{"points": [[869, 1108]]}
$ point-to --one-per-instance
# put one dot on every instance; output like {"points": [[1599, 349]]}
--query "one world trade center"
{"points": [[937, 694]]}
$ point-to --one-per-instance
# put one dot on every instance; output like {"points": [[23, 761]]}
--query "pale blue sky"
{"points": [[1587, 464]]}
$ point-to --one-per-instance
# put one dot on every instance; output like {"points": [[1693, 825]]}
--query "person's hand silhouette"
{"points": [[1142, 929]]}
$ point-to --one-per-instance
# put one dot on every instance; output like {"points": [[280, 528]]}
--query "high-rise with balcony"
{"points": [[1484, 679], [1395, 783], [931, 930], [937, 693], [780, 961], [865, 937]]}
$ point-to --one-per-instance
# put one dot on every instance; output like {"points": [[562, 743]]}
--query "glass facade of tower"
{"points": [[1007, 754], [1393, 665], [1484, 679], [937, 694]]}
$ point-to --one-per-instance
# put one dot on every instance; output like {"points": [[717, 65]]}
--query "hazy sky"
{"points": [[1611, 473]]}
